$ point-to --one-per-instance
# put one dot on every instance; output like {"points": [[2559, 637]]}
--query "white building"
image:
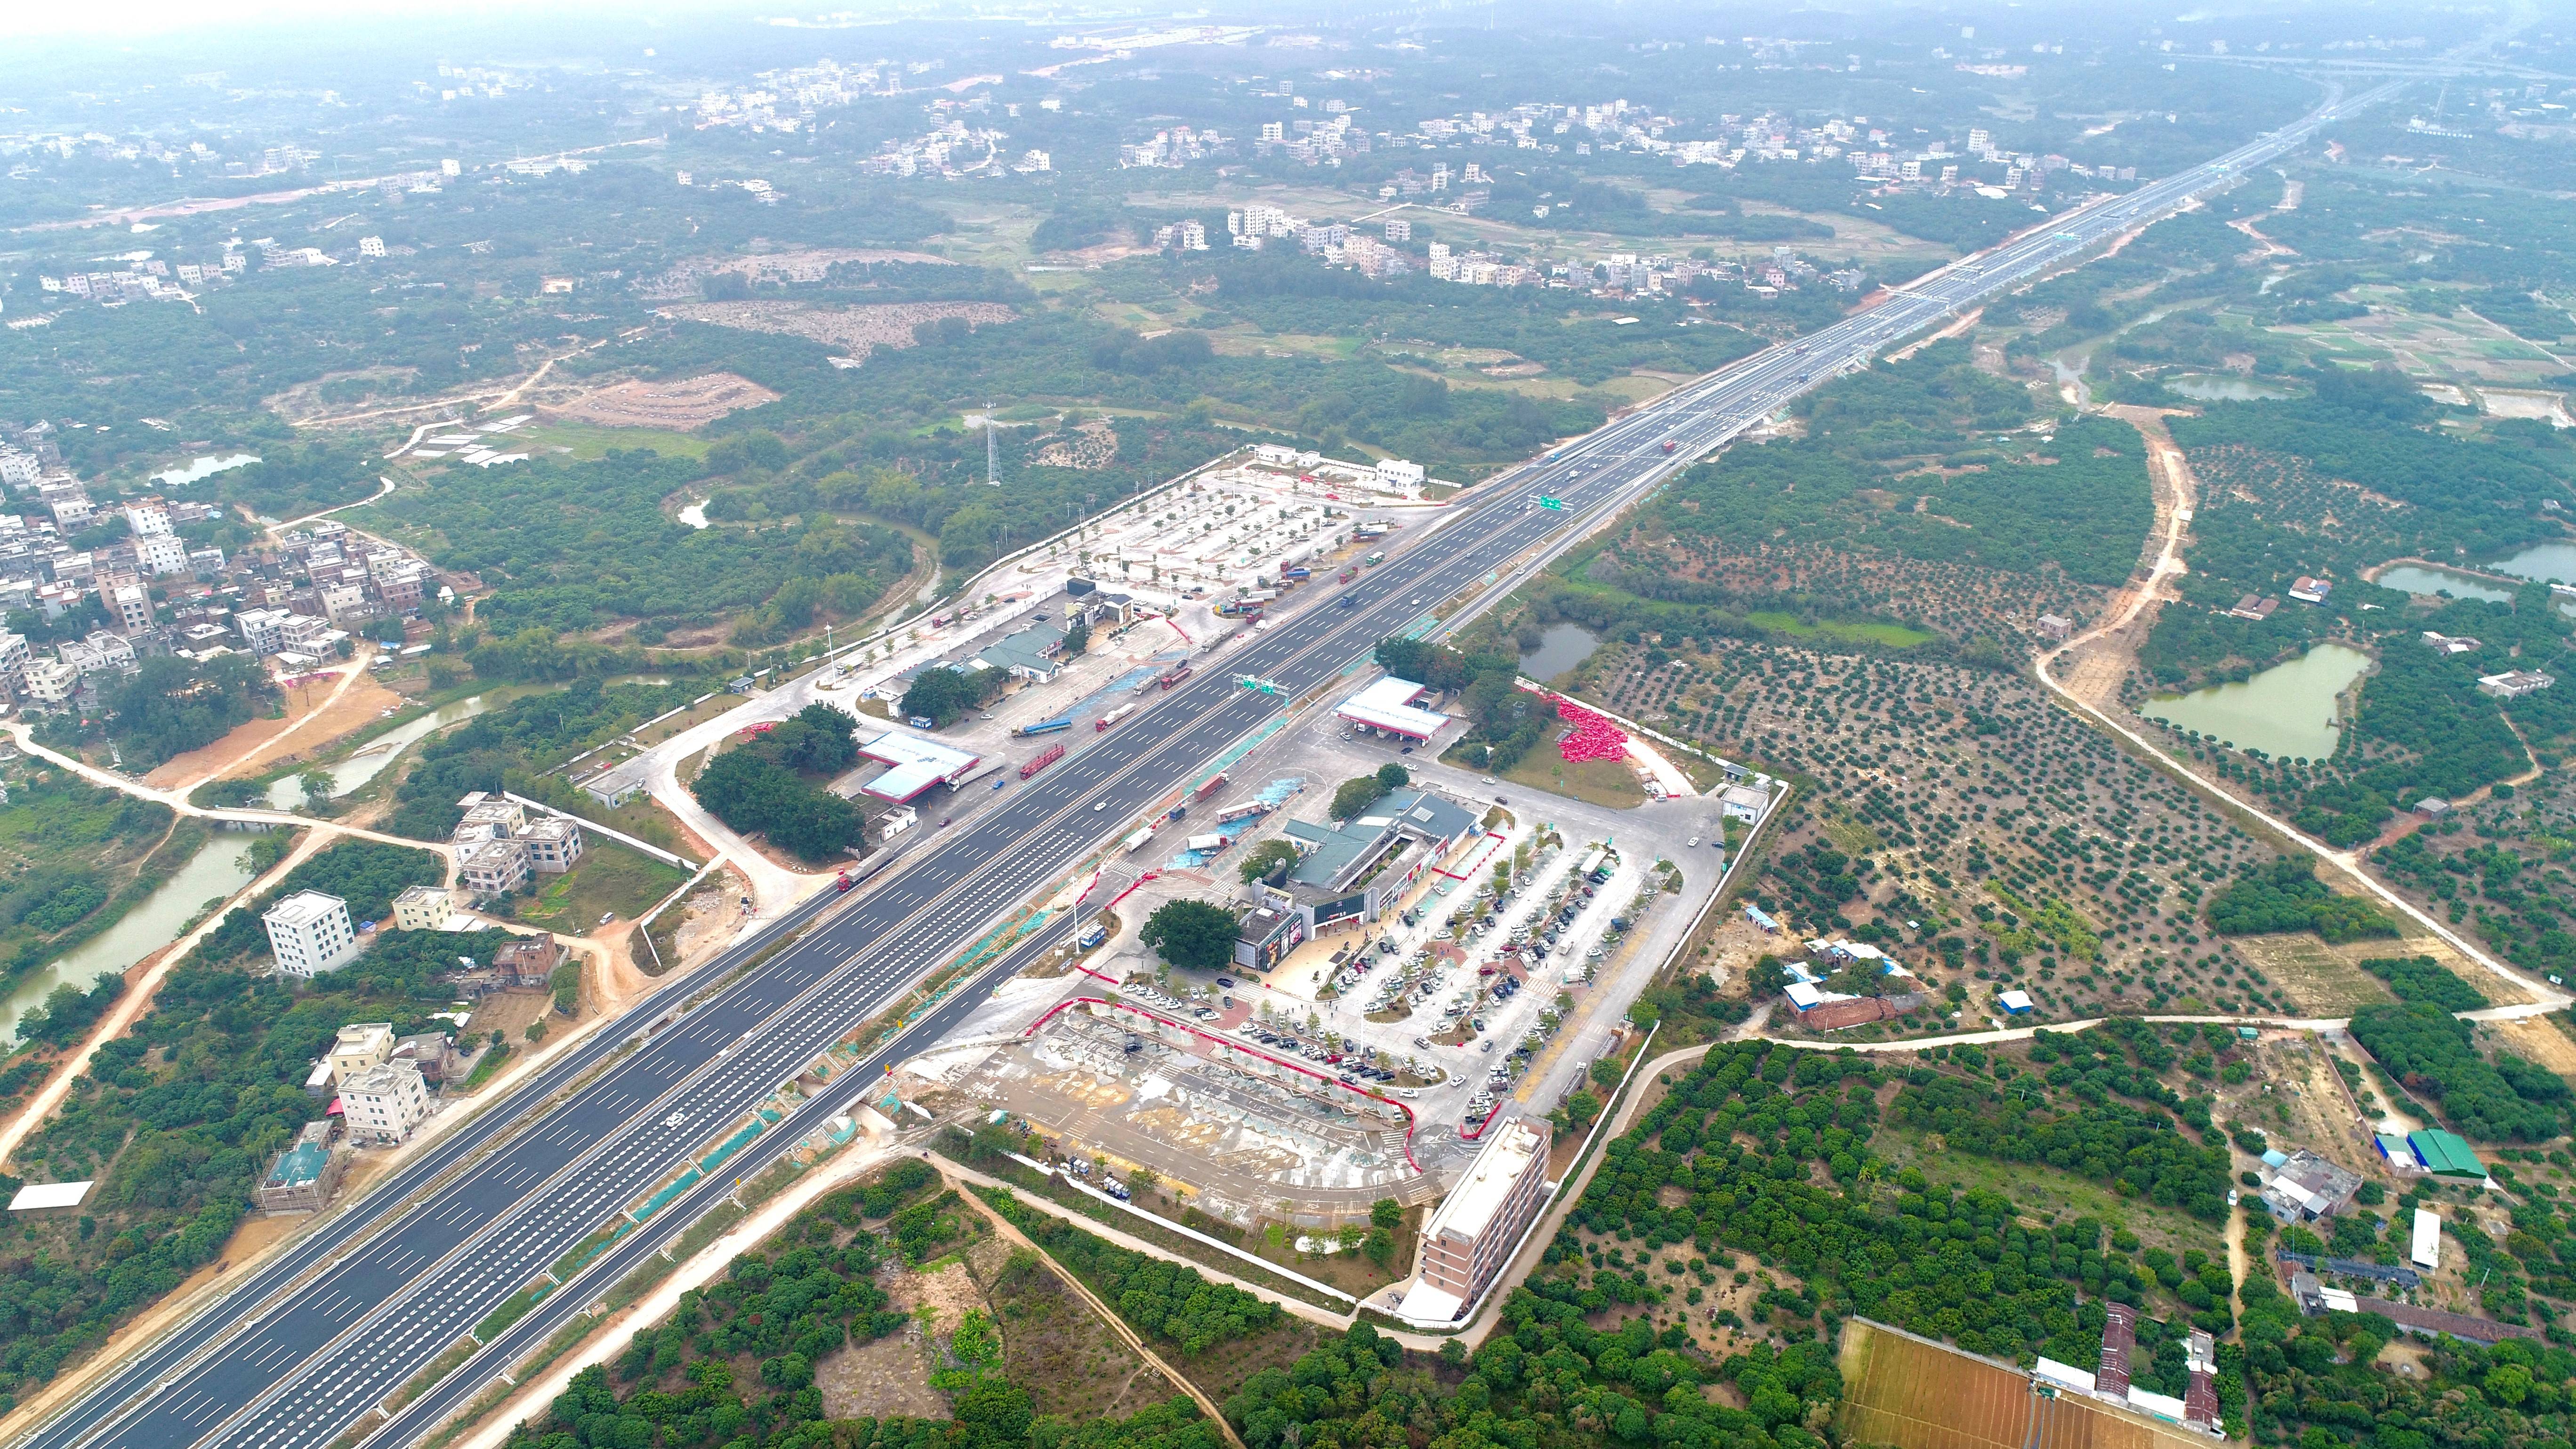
{"points": [[146, 519], [554, 846], [262, 630], [309, 933], [1472, 1235], [384, 1103], [131, 607], [494, 867], [159, 554], [50, 682], [371, 246]]}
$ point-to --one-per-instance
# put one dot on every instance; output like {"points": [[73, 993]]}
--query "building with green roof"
{"points": [[2445, 1154]]}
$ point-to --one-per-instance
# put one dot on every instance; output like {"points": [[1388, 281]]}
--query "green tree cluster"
{"points": [[2432, 1054]]}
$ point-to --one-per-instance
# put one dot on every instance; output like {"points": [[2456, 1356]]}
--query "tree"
{"points": [[1355, 795], [1077, 637], [1265, 859], [1193, 935], [940, 694], [1386, 1212], [317, 787], [1392, 776]]}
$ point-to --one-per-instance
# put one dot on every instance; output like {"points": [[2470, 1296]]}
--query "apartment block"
{"points": [[310, 933], [1468, 1240]]}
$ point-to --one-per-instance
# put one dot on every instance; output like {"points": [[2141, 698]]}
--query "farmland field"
{"points": [[1904, 1391]]}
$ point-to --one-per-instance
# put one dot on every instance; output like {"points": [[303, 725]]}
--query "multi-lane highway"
{"points": [[308, 1348]]}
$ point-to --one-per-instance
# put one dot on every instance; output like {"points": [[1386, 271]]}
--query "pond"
{"points": [[2206, 387], [287, 791], [219, 868], [2550, 562], [2287, 711], [1560, 648], [205, 467], [2434, 579]]}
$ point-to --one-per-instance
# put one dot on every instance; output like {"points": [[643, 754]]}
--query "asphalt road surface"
{"points": [[305, 1349]]}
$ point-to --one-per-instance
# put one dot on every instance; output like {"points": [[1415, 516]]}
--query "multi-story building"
{"points": [[494, 867], [262, 630], [360, 1048], [553, 845], [1472, 1235], [130, 606], [302, 1178], [421, 908], [309, 933], [50, 683], [160, 554], [385, 1103], [100, 652], [14, 660]]}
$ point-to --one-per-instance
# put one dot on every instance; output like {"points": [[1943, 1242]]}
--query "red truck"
{"points": [[842, 881], [1669, 445], [1041, 760], [1175, 675]]}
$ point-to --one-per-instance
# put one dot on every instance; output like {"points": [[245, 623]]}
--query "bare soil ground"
{"points": [[884, 1379], [262, 743], [684, 404], [2538, 1041], [2313, 978], [858, 329]]}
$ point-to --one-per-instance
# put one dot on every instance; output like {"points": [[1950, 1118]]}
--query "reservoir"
{"points": [[214, 872], [2429, 579], [287, 791], [1560, 648], [2287, 711]]}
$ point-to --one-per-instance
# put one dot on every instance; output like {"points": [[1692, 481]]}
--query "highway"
{"points": [[306, 1348]]}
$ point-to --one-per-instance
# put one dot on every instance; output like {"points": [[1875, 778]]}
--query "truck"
{"points": [[1136, 839], [1215, 783], [1299, 572], [1093, 937], [942, 621], [1670, 445], [1348, 575], [842, 881], [1373, 560], [1041, 760], [1175, 674], [1259, 596], [1241, 812], [1045, 726], [1210, 842], [922, 722], [1113, 717]]}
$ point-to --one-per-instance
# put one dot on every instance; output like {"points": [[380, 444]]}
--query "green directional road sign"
{"points": [[1555, 503]]}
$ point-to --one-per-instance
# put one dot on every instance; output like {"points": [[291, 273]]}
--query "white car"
{"points": [[1694, 841]]}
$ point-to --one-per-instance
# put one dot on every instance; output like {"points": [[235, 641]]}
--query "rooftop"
{"points": [[1389, 705], [917, 764], [1335, 853], [303, 908], [1470, 1207]]}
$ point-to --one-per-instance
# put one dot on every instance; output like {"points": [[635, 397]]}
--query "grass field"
{"points": [[1596, 782], [589, 441], [610, 877], [1894, 636]]}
